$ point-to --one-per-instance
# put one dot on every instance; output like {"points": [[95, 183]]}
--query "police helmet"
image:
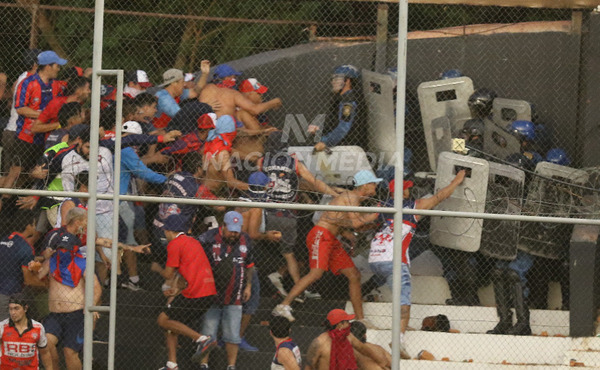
{"points": [[451, 73], [558, 156], [525, 130], [347, 70], [481, 101], [473, 127]]}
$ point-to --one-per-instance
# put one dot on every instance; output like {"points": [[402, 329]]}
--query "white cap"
{"points": [[188, 77], [132, 127]]}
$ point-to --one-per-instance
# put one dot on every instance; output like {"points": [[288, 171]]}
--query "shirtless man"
{"points": [[329, 351], [359, 330], [66, 291], [251, 137], [326, 251], [219, 170]]}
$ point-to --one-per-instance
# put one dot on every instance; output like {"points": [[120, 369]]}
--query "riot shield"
{"points": [[379, 95], [551, 194], [441, 135], [444, 98], [498, 142], [337, 168], [453, 232], [505, 111], [504, 196]]}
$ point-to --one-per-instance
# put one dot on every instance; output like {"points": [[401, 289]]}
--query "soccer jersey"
{"points": [[276, 365], [35, 94], [20, 350], [229, 262], [382, 245], [15, 253]]}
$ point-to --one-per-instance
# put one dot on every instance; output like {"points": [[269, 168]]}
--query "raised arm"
{"points": [[255, 109], [443, 194], [315, 183]]}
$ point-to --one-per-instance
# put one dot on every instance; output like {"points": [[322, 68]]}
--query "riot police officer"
{"points": [[344, 124]]}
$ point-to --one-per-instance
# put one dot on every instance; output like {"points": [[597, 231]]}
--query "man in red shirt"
{"points": [[186, 261], [78, 90], [21, 338], [32, 96]]}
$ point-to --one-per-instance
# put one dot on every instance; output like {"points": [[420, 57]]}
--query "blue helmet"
{"points": [[347, 70], [558, 156], [451, 73], [524, 129]]}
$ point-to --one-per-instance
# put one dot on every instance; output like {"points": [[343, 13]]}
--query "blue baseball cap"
{"points": [[365, 177], [50, 57], [234, 221], [224, 70], [174, 223], [257, 182]]}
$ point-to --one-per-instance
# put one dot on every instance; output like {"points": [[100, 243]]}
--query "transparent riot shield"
{"points": [[441, 135], [337, 168], [505, 111], [444, 98], [460, 233], [379, 95], [504, 196], [498, 142], [554, 193]]}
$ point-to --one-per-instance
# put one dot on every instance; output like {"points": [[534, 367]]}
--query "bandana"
{"points": [[342, 354]]}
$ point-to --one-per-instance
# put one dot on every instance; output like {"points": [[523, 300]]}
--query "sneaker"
{"points": [[277, 281], [311, 295], [231, 367], [166, 367], [284, 311], [205, 345], [245, 346], [134, 287], [204, 367]]}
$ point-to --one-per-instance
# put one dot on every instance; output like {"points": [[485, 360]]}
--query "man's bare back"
{"points": [[230, 100], [319, 353]]}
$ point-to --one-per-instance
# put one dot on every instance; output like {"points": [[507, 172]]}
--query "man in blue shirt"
{"points": [[132, 167], [229, 251], [15, 254]]}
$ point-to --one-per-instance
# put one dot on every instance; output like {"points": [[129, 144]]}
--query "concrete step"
{"points": [[481, 348], [588, 358], [466, 319]]}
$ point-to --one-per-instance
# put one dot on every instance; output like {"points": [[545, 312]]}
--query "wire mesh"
{"points": [[294, 102]]}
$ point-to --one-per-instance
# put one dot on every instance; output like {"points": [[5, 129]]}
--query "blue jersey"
{"points": [[276, 365], [229, 263], [15, 253], [179, 185]]}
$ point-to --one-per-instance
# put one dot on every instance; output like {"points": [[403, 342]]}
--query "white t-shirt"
{"points": [[12, 121]]}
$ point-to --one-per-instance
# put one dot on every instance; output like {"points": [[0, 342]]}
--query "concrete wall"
{"points": [[542, 68]]}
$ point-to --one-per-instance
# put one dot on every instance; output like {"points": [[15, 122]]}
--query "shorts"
{"points": [[287, 226], [104, 230], [326, 251], [25, 155], [8, 140], [188, 310], [230, 316], [385, 270], [127, 214], [67, 327], [250, 307], [140, 217]]}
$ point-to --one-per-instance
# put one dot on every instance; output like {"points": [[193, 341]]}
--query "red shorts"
{"points": [[326, 251]]}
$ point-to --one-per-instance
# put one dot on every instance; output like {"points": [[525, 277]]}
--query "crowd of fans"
{"points": [[187, 138]]}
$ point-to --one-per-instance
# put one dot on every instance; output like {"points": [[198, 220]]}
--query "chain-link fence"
{"points": [[295, 102]]}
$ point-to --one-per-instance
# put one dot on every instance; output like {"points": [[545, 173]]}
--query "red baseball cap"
{"points": [[252, 84], [338, 315], [207, 121], [407, 184]]}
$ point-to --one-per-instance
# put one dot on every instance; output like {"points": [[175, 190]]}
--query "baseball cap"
{"points": [[252, 84], [174, 223], [406, 184], [233, 220], [140, 77], [224, 70], [258, 178], [172, 75], [207, 121], [189, 77], [132, 127], [50, 57], [337, 316], [363, 177]]}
